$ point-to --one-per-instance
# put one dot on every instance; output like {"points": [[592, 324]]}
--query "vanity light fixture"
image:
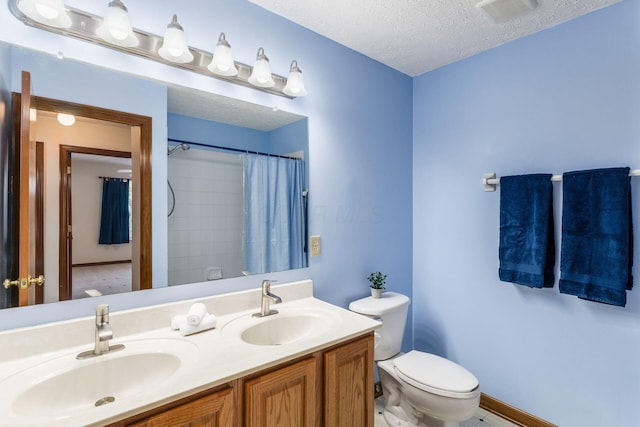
{"points": [[116, 27], [66, 119], [261, 71], [222, 63], [47, 12], [175, 47], [295, 82], [114, 31]]}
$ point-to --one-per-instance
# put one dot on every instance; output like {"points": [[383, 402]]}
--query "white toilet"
{"points": [[419, 389]]}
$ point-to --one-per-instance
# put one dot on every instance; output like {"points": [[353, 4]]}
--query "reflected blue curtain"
{"points": [[275, 226], [114, 218]]}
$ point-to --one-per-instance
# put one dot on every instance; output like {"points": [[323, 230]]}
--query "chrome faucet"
{"points": [[103, 330], [103, 334], [267, 298]]}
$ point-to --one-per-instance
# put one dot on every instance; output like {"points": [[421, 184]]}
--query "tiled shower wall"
{"points": [[206, 226]]}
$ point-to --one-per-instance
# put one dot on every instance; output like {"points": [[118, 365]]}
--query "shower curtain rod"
{"points": [[237, 150], [490, 182]]}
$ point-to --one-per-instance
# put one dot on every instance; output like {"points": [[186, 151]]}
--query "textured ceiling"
{"points": [[416, 36]]}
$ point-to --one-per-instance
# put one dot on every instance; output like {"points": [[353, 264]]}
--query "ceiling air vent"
{"points": [[504, 10]]}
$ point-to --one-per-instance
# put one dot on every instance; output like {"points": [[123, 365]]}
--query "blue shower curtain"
{"points": [[275, 214], [114, 218]]}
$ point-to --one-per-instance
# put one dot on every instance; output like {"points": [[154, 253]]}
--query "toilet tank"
{"points": [[391, 309]]}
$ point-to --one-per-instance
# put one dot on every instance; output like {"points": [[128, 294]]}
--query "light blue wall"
{"points": [[283, 140], [565, 99], [213, 133], [290, 138], [360, 142]]}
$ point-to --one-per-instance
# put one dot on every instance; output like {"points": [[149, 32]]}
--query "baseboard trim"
{"points": [[96, 264], [510, 413]]}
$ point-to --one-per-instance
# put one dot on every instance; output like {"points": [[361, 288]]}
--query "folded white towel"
{"points": [[208, 322], [178, 320], [196, 313]]}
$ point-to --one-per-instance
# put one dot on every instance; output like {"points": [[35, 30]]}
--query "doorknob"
{"points": [[8, 283], [25, 282], [35, 280]]}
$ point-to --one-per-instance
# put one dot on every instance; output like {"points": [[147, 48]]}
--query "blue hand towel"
{"points": [[527, 246], [597, 243]]}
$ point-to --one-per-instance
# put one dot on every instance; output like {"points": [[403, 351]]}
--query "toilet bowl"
{"points": [[422, 389], [419, 389]]}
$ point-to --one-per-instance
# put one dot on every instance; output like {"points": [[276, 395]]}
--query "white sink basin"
{"points": [[64, 386], [290, 325]]}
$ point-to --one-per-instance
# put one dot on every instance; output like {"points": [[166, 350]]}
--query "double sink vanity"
{"points": [[310, 364]]}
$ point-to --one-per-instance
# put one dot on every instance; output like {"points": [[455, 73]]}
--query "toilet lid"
{"points": [[379, 306], [435, 372]]}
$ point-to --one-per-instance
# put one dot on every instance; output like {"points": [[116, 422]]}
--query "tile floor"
{"points": [[482, 419]]}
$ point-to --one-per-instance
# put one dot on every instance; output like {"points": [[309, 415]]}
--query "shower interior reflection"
{"points": [[234, 213], [206, 225]]}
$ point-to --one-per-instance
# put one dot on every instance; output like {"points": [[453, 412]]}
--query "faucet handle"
{"points": [[266, 283], [102, 314]]}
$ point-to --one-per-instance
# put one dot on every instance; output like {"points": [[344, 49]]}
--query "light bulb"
{"points": [[222, 62], [295, 82], [47, 12], [66, 119], [261, 71], [116, 26], [174, 46]]}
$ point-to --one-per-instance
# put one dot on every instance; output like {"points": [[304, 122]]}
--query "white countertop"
{"points": [[221, 357]]}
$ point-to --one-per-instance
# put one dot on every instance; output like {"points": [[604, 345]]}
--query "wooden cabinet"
{"points": [[332, 388], [348, 384], [212, 410], [283, 398]]}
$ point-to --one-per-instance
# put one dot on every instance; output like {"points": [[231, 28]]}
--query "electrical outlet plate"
{"points": [[315, 245]]}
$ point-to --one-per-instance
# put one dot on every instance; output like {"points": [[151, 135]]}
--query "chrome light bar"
{"points": [[84, 25]]}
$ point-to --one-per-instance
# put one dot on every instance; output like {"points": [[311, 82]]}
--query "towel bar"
{"points": [[490, 182]]}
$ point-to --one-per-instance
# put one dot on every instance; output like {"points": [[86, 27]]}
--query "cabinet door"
{"points": [[348, 392], [282, 398], [214, 410]]}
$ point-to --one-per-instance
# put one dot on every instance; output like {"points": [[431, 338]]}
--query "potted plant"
{"points": [[377, 280]]}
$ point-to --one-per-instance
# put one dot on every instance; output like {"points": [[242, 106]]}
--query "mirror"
{"points": [[238, 130], [225, 220]]}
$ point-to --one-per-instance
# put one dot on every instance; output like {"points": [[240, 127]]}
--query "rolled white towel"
{"points": [[196, 313], [208, 322], [178, 320]]}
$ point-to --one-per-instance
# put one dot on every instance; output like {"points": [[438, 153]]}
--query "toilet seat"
{"points": [[435, 374]]}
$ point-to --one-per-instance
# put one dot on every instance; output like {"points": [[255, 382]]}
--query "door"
{"points": [[214, 410], [67, 228], [349, 384], [283, 398], [26, 188]]}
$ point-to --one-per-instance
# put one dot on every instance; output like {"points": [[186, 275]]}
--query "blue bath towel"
{"points": [[527, 246], [597, 243]]}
